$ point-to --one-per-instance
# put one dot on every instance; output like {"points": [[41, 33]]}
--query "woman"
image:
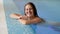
{"points": [[30, 16]]}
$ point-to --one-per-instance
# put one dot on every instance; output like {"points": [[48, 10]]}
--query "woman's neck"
{"points": [[32, 17]]}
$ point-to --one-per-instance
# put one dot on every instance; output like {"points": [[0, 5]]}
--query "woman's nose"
{"points": [[29, 10]]}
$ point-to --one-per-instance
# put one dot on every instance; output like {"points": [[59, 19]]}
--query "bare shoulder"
{"points": [[37, 19]]}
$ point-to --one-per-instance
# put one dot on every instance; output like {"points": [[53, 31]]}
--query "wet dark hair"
{"points": [[34, 8]]}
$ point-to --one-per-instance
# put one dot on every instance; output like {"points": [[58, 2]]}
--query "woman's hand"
{"points": [[22, 21], [23, 17]]}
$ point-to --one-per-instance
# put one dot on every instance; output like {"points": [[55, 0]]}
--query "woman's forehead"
{"points": [[28, 6]]}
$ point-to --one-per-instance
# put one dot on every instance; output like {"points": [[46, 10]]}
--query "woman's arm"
{"points": [[33, 21], [18, 16], [15, 16]]}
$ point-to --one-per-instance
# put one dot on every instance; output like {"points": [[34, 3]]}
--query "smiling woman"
{"points": [[30, 16]]}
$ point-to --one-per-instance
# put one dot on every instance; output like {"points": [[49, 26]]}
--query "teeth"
{"points": [[28, 14]]}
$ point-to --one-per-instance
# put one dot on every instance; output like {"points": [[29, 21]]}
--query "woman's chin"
{"points": [[28, 15]]}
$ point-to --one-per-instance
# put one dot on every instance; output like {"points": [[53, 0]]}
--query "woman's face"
{"points": [[29, 10]]}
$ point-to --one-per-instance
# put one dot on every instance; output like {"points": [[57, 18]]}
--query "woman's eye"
{"points": [[26, 9], [29, 9]]}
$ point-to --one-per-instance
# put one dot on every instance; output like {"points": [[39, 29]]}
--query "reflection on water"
{"points": [[56, 28]]}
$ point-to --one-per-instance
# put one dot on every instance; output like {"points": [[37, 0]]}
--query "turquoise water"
{"points": [[47, 9]]}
